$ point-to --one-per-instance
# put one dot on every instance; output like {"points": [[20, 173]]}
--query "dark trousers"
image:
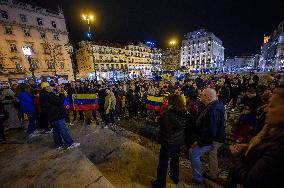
{"points": [[235, 99], [42, 122], [167, 152], [32, 123]]}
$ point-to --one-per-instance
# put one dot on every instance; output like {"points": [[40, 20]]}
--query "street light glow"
{"points": [[27, 51], [173, 42], [88, 17]]}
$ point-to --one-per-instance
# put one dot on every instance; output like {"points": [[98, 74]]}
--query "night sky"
{"points": [[240, 24]]}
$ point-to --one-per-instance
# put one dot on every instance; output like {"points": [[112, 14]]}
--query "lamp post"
{"points": [[28, 53], [89, 18]]}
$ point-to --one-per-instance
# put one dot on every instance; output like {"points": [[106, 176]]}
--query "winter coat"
{"points": [[52, 105], [107, 104], [172, 127], [263, 165], [210, 125], [26, 103], [235, 89], [113, 101]]}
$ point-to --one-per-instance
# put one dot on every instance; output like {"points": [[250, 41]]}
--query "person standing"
{"points": [[28, 107], [208, 134], [52, 105], [9, 101], [172, 134]]}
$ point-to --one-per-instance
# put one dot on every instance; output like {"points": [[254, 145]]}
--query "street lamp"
{"points": [[173, 42], [28, 53], [88, 19]]}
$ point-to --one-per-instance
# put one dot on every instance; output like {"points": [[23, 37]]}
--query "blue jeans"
{"points": [[32, 122], [60, 132], [196, 165], [167, 152]]}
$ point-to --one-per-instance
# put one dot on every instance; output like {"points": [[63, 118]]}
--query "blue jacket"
{"points": [[26, 103]]}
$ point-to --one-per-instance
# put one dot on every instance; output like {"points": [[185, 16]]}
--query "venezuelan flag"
{"points": [[154, 103], [85, 101]]}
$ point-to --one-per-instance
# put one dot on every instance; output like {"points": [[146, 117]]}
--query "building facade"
{"points": [[107, 59], [272, 50], [241, 63], [43, 30], [171, 59], [201, 50]]}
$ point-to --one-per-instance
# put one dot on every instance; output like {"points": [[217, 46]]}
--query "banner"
{"points": [[154, 103], [85, 101]]}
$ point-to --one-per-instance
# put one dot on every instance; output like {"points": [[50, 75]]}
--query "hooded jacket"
{"points": [[210, 125], [52, 105], [26, 103]]}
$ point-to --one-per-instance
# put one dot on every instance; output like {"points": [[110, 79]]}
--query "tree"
{"points": [[54, 52]]}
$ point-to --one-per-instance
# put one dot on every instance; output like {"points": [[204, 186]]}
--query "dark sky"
{"points": [[240, 24]]}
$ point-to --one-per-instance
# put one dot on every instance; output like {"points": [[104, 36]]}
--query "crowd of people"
{"points": [[194, 116]]}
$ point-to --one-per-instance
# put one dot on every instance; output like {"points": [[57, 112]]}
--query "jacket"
{"points": [[172, 128], [52, 105], [26, 103], [210, 125], [263, 165]]}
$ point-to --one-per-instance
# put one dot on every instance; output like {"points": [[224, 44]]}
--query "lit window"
{"points": [[39, 21], [8, 30], [34, 64], [4, 14], [19, 67], [13, 47], [62, 65], [50, 65], [23, 18]]}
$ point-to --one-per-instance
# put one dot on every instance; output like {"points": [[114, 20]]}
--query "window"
{"points": [[62, 65], [8, 30], [50, 65], [27, 32], [23, 18], [39, 21], [46, 50], [53, 24], [34, 64], [56, 36], [13, 47], [42, 34], [19, 67], [4, 14]]}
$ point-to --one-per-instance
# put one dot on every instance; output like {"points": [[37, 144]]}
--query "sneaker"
{"points": [[106, 127], [232, 109], [118, 119], [74, 145], [34, 134], [60, 148]]}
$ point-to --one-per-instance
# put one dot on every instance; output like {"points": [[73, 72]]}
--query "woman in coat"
{"points": [[28, 107], [172, 134], [261, 163]]}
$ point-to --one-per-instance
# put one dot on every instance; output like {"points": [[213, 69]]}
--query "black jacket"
{"points": [[210, 125], [263, 166], [52, 105], [172, 128], [224, 94]]}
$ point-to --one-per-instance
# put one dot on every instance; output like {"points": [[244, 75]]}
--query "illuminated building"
{"points": [[130, 60], [43, 30], [272, 50], [201, 50]]}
